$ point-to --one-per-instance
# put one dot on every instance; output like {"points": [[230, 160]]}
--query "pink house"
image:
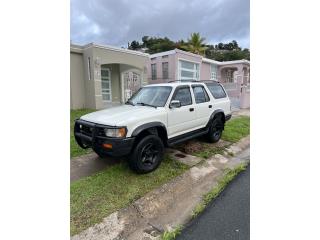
{"points": [[180, 65]]}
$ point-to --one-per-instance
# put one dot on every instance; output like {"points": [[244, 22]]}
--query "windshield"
{"points": [[154, 96]]}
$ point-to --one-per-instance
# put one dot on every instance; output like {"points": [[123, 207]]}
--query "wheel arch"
{"points": [[216, 113], [152, 128]]}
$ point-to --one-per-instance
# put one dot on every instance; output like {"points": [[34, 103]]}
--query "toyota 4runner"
{"points": [[155, 117]]}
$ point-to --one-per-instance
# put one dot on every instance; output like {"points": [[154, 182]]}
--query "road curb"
{"points": [[170, 205]]}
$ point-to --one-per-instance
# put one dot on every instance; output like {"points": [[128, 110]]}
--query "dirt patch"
{"points": [[180, 155], [196, 146]]}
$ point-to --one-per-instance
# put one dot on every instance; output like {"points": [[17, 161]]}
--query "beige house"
{"points": [[103, 76]]}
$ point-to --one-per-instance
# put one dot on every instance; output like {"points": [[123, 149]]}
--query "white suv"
{"points": [[156, 116]]}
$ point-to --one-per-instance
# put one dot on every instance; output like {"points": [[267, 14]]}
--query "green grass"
{"points": [[222, 183], [236, 128], [97, 196], [75, 150], [171, 235]]}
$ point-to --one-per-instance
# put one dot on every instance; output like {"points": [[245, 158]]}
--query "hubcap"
{"points": [[149, 154], [217, 130], [217, 134]]}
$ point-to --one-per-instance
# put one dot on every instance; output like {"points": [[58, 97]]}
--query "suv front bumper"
{"points": [[89, 136]]}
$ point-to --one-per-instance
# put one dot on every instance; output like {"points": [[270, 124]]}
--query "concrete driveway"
{"points": [[89, 164]]}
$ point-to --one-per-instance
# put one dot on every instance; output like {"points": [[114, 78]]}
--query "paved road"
{"points": [[227, 217]]}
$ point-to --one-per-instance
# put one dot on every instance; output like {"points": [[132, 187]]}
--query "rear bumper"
{"points": [[228, 116], [92, 139]]}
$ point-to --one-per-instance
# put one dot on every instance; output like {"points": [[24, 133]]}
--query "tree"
{"points": [[135, 45], [195, 44], [219, 52]]}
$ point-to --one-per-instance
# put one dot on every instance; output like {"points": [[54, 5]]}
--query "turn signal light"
{"points": [[107, 145]]}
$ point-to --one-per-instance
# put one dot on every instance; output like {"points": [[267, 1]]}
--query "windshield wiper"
{"points": [[146, 104], [129, 102]]}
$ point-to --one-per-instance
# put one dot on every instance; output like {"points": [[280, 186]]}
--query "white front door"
{"points": [[182, 119], [131, 82], [106, 84]]}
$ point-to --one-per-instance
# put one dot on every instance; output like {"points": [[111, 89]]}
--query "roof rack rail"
{"points": [[183, 81], [172, 81], [209, 81]]}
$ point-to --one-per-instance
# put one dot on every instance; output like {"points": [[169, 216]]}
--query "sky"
{"points": [[117, 22]]}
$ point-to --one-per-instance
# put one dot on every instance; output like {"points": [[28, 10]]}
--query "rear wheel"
{"points": [[147, 154], [215, 131]]}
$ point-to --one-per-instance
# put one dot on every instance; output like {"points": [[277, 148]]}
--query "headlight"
{"points": [[115, 132]]}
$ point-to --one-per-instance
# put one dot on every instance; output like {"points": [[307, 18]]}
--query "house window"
{"points": [[153, 71], [165, 56], [213, 75], [188, 70], [229, 76], [89, 68], [165, 70], [106, 84]]}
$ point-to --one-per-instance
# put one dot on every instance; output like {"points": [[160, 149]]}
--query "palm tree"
{"points": [[195, 44]]}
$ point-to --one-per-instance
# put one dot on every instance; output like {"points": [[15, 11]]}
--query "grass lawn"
{"points": [[236, 128], [75, 150], [97, 196]]}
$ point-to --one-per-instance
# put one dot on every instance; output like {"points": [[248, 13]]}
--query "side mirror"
{"points": [[175, 104]]}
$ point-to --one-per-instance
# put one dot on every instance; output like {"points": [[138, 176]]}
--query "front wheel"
{"points": [[147, 154], [215, 131]]}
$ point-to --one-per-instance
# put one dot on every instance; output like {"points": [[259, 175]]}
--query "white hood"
{"points": [[121, 115]]}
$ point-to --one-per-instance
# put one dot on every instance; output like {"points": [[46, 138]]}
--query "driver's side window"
{"points": [[183, 95]]}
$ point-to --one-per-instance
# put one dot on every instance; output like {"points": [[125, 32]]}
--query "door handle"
{"points": [[210, 106], [191, 109]]}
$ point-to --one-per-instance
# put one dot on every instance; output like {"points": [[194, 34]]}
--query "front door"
{"points": [[131, 84], [182, 119], [106, 84]]}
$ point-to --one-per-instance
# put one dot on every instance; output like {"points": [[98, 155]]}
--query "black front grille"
{"points": [[86, 130]]}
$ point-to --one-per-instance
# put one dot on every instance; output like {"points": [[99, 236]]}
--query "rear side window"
{"points": [[216, 90], [183, 95], [200, 94]]}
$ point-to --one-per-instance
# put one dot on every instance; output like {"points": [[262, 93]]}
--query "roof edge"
{"points": [[116, 49]]}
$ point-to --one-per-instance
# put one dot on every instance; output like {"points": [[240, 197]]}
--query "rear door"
{"points": [[183, 119], [203, 106]]}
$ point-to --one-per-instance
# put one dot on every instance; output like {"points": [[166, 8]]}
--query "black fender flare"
{"points": [[146, 126], [213, 115]]}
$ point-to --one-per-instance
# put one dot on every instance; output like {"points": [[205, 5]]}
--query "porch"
{"points": [[236, 80], [118, 83]]}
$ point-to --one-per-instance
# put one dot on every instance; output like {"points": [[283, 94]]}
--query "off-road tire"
{"points": [[215, 131], [147, 154]]}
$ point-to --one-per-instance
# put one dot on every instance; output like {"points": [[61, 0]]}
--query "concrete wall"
{"points": [[205, 71], [77, 88], [115, 83]]}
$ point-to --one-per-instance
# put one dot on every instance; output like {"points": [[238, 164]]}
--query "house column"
{"points": [[97, 82], [238, 75]]}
